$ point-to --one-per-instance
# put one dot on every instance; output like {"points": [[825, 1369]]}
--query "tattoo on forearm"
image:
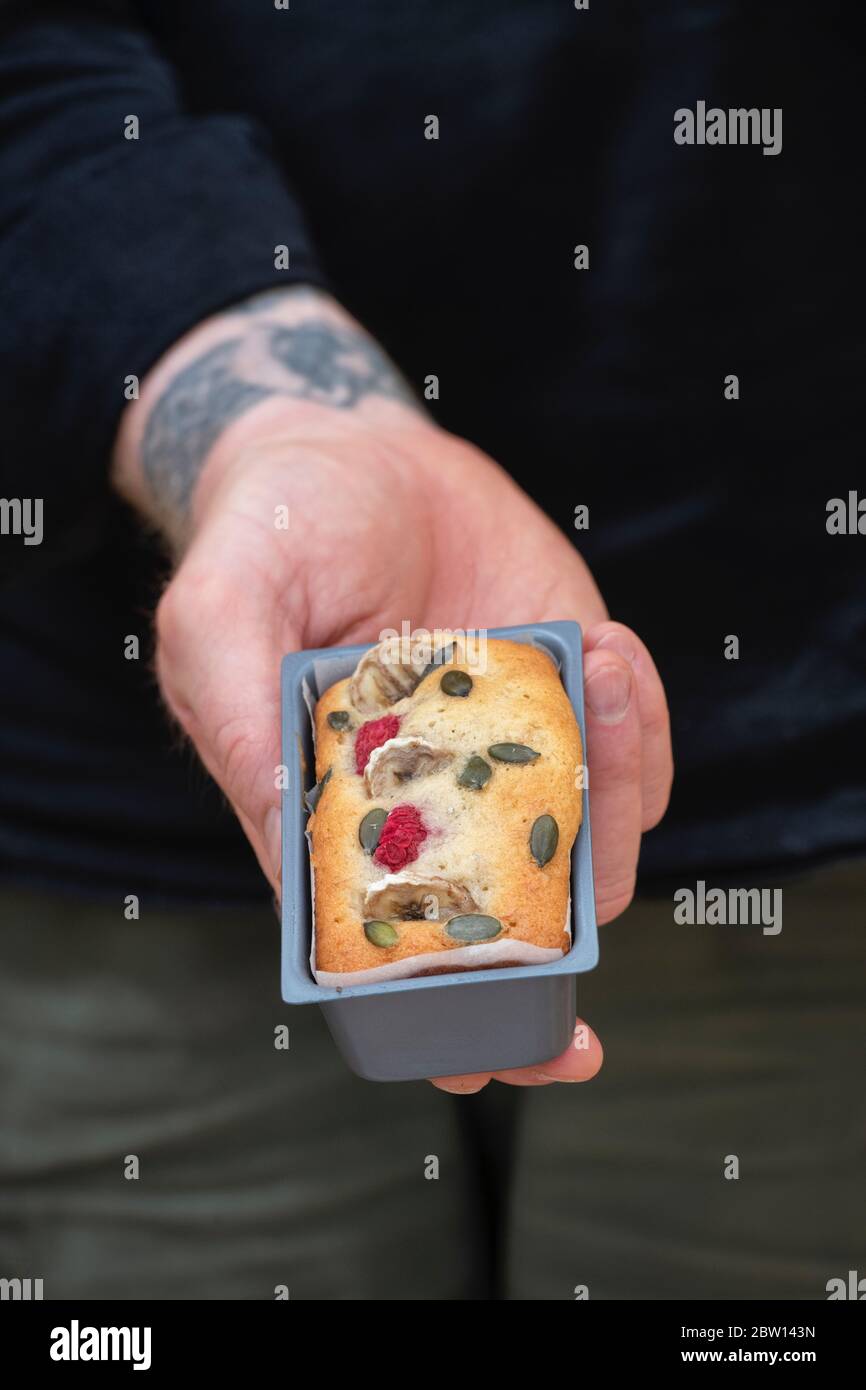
{"points": [[315, 360], [187, 420]]}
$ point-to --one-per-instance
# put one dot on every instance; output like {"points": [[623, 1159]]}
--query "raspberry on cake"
{"points": [[372, 735], [402, 835]]}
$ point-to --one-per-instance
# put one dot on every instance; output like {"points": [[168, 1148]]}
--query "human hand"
{"points": [[389, 518]]}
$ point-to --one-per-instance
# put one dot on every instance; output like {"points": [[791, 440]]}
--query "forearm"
{"points": [[294, 347]]}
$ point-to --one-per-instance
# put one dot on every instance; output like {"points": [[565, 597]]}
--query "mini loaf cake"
{"points": [[444, 813]]}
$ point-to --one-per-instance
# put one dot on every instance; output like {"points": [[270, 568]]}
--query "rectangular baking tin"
{"points": [[438, 1025]]}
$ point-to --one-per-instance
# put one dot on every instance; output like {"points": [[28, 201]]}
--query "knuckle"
{"points": [[657, 796], [613, 896], [195, 598], [168, 616]]}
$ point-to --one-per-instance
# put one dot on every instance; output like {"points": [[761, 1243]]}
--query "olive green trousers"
{"points": [[159, 1139]]}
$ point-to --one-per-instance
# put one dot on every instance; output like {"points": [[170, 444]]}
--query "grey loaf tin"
{"points": [[439, 1025]]}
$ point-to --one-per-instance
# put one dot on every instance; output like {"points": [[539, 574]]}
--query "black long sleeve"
{"points": [[111, 248], [603, 387]]}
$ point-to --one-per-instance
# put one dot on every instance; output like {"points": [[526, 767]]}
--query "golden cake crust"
{"points": [[477, 839]]}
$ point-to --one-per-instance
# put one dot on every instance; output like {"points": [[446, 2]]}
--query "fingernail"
{"points": [[458, 1090], [608, 692], [545, 1076], [273, 839]]}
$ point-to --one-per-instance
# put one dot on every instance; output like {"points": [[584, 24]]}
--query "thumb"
{"points": [[614, 756]]}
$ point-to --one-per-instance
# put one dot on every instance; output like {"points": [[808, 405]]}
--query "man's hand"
{"points": [[289, 411]]}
